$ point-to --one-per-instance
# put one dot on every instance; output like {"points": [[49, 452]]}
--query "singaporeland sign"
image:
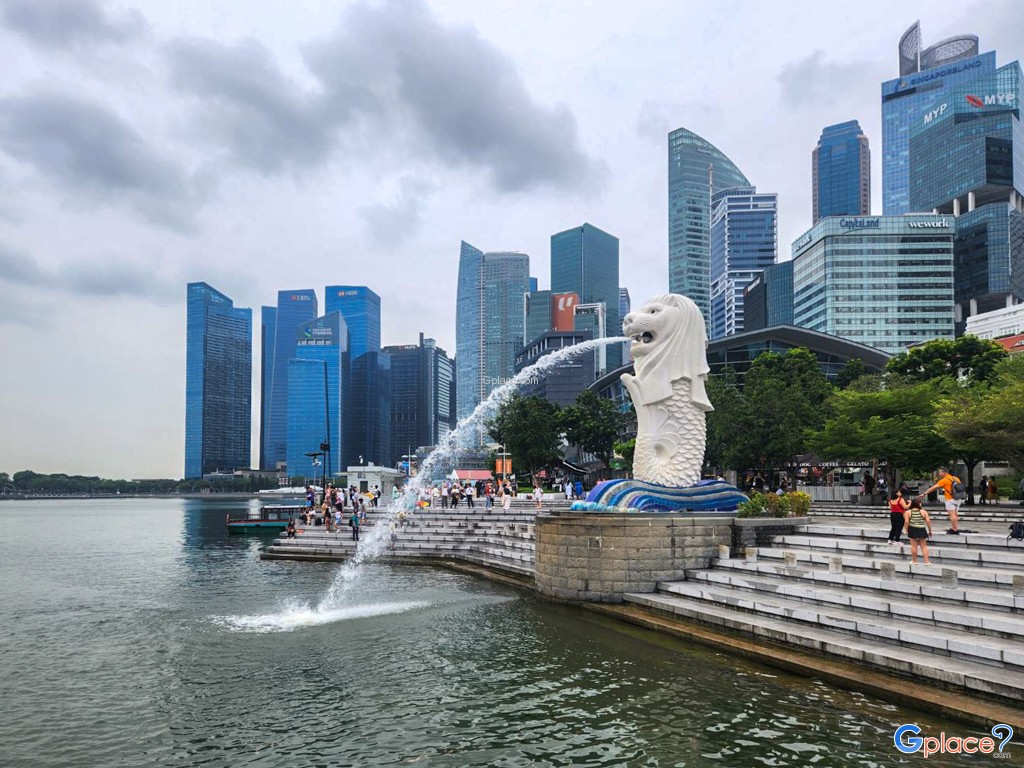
{"points": [[992, 99], [938, 74], [860, 223], [935, 224]]}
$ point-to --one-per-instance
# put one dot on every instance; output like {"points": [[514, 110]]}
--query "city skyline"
{"points": [[172, 195]]}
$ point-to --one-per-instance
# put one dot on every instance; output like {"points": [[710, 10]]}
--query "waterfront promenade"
{"points": [[829, 597]]}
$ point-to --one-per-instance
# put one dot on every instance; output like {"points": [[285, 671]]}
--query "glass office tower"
{"points": [[917, 95], [268, 323], [585, 261], [218, 382], [883, 281], [293, 308], [696, 170], [768, 299], [369, 436], [421, 385], [841, 172], [488, 321], [968, 161], [318, 375], [744, 242]]}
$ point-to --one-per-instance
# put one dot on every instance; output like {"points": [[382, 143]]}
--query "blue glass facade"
{"points": [[744, 242], [218, 382], [585, 261], [370, 386], [293, 308], [421, 387], [360, 307], [841, 172], [537, 318], [768, 299], [883, 281], [967, 159], [488, 321], [696, 170], [268, 326], [318, 375], [905, 101]]}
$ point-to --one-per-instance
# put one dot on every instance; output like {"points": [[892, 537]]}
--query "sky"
{"points": [[287, 144]]}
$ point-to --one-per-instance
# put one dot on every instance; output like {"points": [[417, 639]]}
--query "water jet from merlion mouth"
{"points": [[375, 542]]}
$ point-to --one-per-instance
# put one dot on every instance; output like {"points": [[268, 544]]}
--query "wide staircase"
{"points": [[1004, 512], [842, 590], [497, 539]]}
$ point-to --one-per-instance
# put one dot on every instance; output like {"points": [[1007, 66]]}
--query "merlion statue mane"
{"points": [[668, 345]]}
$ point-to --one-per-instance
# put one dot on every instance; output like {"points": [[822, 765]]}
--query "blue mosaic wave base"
{"points": [[633, 496]]}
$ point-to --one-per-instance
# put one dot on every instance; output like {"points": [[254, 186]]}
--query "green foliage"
{"points": [[852, 371], [29, 482], [764, 423], [968, 358], [795, 504], [895, 424], [593, 423], [529, 428], [626, 450]]}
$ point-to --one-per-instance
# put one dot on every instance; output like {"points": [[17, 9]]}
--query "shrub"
{"points": [[799, 503], [795, 504]]}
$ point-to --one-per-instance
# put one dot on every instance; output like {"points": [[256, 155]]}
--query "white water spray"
{"points": [[375, 542]]}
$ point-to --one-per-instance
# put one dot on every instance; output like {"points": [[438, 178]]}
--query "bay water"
{"points": [[137, 632]]}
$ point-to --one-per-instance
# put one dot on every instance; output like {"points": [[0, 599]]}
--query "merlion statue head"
{"points": [[668, 342]]}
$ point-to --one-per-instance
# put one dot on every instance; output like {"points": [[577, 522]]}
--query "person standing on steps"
{"points": [[354, 522], [918, 526], [538, 495], [898, 507], [983, 490], [506, 497], [945, 483]]}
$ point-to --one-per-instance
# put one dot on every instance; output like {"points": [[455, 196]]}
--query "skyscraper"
{"points": [[360, 307], [370, 387], [841, 172], [316, 409], [884, 281], [218, 382], [768, 299], [921, 88], [293, 309], [488, 321], [967, 160], [744, 242], [421, 384], [696, 170], [585, 261]]}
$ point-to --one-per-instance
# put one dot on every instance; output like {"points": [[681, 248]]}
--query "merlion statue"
{"points": [[668, 341]]}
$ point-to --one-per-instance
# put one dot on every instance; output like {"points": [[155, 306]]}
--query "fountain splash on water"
{"points": [[376, 540]]}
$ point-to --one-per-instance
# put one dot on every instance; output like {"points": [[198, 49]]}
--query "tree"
{"points": [[529, 429], [626, 450], [956, 419], [990, 418], [896, 424], [850, 372], [726, 427], [967, 358], [593, 423]]}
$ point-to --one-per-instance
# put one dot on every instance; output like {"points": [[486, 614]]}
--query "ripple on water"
{"points": [[299, 615]]}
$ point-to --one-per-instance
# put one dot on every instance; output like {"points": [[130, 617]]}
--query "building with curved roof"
{"points": [[697, 169]]}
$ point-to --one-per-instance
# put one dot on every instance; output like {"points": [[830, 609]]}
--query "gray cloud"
{"points": [[91, 150], [19, 268], [68, 23], [394, 75], [265, 120], [657, 118], [391, 224], [814, 81]]}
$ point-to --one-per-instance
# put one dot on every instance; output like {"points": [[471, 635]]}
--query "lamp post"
{"points": [[408, 458], [503, 455], [315, 456]]}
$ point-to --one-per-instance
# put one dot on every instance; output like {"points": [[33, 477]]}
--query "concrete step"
{"points": [[879, 535], [938, 640], [1004, 684], [925, 584], [954, 613], [969, 573], [1007, 514], [959, 550]]}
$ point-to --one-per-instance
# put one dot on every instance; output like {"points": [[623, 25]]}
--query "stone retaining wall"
{"points": [[601, 557], [760, 531]]}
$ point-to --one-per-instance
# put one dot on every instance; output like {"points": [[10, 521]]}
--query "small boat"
{"points": [[270, 518]]}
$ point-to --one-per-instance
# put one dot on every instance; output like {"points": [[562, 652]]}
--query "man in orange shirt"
{"points": [[945, 483]]}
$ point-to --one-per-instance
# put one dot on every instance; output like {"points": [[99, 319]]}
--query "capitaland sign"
{"points": [[860, 223], [930, 224]]}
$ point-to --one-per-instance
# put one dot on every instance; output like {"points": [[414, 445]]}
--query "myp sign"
{"points": [[861, 222]]}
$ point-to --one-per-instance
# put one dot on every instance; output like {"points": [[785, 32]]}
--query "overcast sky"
{"points": [[278, 144]]}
